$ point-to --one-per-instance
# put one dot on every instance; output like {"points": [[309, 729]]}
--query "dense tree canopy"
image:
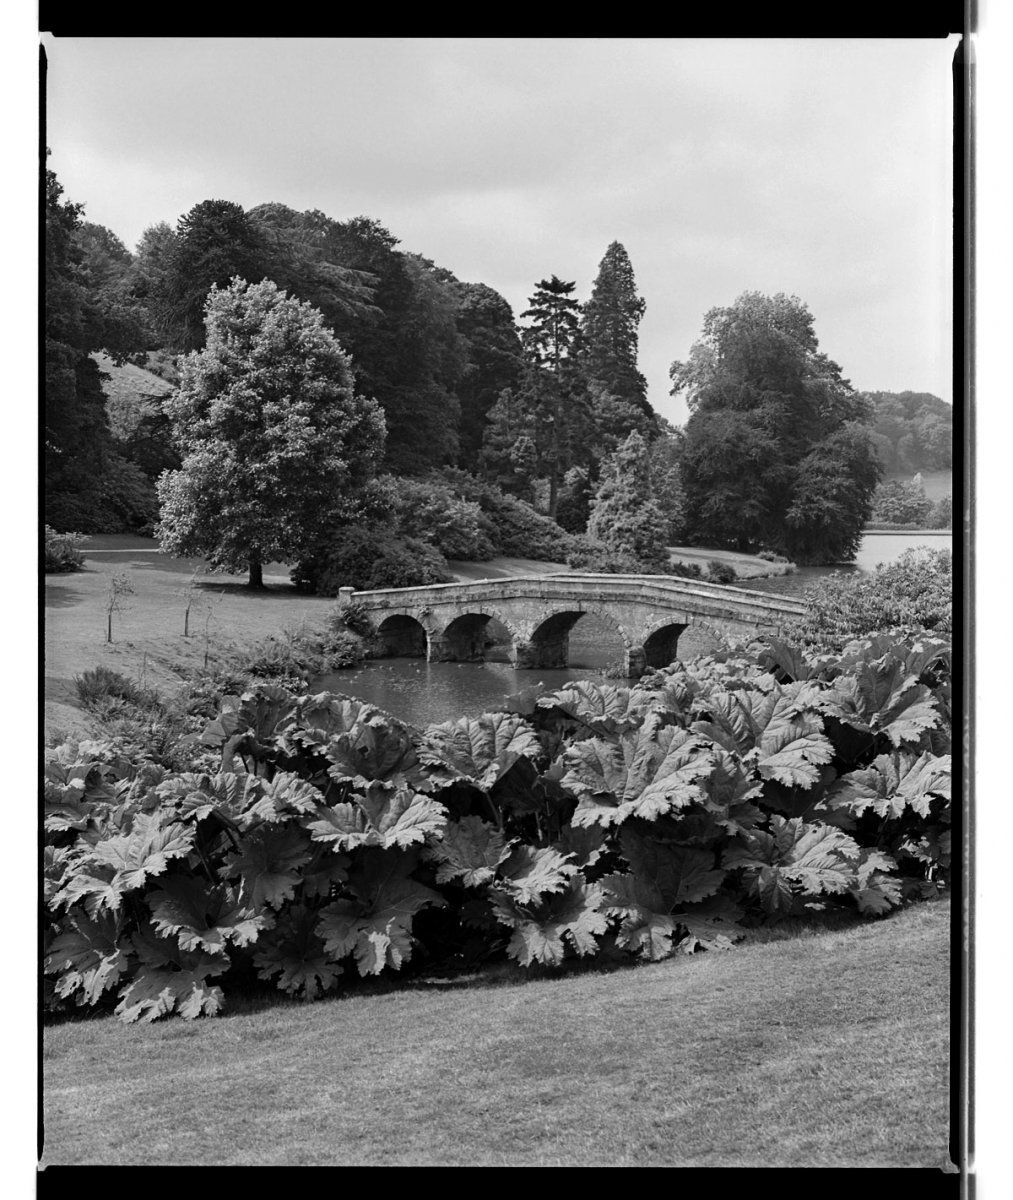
{"points": [[777, 451], [494, 361], [274, 440]]}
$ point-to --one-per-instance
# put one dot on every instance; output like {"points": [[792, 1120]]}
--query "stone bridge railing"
{"points": [[447, 622]]}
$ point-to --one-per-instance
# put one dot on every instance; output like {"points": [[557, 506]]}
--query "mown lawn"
{"points": [[815, 1050]]}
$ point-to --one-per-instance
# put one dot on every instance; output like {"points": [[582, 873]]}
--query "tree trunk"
{"points": [[256, 574]]}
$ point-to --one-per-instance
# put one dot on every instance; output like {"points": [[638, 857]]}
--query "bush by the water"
{"points": [[331, 841], [428, 511], [363, 558], [916, 591], [60, 552], [514, 528], [721, 572], [586, 554], [901, 502]]}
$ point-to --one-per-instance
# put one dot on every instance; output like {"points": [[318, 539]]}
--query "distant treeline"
{"points": [[549, 410], [912, 431]]}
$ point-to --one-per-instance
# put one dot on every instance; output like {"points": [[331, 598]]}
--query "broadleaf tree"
{"points": [[273, 439], [778, 452]]}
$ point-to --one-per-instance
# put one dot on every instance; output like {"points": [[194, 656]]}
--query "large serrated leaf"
{"points": [[530, 872], [294, 952], [145, 851], [470, 852], [539, 929], [795, 859], [380, 818], [479, 750], [650, 771], [601, 707], [269, 864], [202, 918], [892, 784], [87, 956], [375, 923]]}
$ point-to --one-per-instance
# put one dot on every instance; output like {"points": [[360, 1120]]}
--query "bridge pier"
{"points": [[547, 654]]}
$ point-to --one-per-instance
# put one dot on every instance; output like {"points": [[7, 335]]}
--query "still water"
{"points": [[423, 693]]}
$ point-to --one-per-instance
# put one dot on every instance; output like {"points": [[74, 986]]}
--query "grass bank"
{"points": [[819, 1049], [148, 644]]}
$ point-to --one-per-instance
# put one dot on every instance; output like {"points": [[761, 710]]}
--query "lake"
{"points": [[422, 693]]}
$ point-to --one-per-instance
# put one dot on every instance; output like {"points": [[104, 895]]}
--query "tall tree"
{"points": [[608, 349], [548, 343], [494, 361], [215, 241], [624, 515], [508, 448], [772, 422], [274, 441]]}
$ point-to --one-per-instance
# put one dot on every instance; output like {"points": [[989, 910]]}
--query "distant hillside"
{"points": [[133, 404], [132, 394], [913, 431]]}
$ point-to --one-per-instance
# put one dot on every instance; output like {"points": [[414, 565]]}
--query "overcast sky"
{"points": [[820, 168]]}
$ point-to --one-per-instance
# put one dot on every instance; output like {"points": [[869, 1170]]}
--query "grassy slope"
{"points": [[148, 633], [820, 1050]]}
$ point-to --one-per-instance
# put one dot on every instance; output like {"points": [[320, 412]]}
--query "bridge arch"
{"points": [[401, 636], [661, 647], [463, 638], [548, 645]]}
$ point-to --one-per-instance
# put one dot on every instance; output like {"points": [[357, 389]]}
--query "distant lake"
{"points": [[876, 548]]}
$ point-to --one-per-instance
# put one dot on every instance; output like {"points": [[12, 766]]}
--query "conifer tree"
{"points": [[549, 343], [624, 516], [608, 351]]}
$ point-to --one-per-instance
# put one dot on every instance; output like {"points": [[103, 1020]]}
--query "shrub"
{"points": [[363, 559], [916, 591], [101, 684], [332, 841], [61, 553], [900, 502], [513, 527], [771, 556], [430, 512], [721, 572], [588, 555], [941, 516]]}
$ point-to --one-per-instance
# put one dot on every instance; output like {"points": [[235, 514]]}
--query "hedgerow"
{"points": [[331, 841]]}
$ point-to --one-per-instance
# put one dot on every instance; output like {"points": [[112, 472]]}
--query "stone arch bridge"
{"points": [[447, 622]]}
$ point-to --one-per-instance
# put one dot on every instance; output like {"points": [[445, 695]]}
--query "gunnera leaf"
{"points": [[479, 750], [530, 872], [207, 919], [601, 708], [375, 923], [647, 773], [145, 851], [269, 864], [892, 784], [794, 860], [87, 955], [379, 817], [540, 928], [469, 853], [294, 953], [877, 886], [170, 980]]}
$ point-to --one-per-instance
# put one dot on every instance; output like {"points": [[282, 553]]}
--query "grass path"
{"points": [[818, 1050]]}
